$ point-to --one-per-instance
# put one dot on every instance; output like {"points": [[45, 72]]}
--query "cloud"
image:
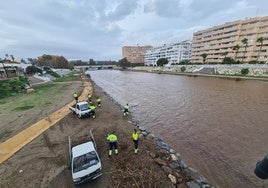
{"points": [[163, 8], [122, 10], [98, 29]]}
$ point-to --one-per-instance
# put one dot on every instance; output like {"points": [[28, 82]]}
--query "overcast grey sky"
{"points": [[98, 29]]}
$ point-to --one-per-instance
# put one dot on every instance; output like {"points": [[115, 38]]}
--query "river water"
{"points": [[219, 126]]}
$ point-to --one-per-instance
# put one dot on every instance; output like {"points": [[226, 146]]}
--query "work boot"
{"points": [[116, 151], [110, 153], [136, 151]]}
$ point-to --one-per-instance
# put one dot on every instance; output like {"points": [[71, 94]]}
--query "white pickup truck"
{"points": [[81, 109], [84, 159]]}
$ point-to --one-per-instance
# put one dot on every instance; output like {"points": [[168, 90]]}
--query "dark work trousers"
{"points": [[93, 112], [113, 145], [136, 143]]}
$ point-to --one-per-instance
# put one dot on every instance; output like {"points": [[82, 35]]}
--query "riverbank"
{"points": [[208, 120], [256, 71], [44, 161]]}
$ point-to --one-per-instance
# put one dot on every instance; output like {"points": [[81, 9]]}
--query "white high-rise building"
{"points": [[173, 52]]}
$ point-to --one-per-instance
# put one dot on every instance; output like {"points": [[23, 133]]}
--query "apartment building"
{"points": [[219, 41], [10, 71], [135, 54], [173, 52]]}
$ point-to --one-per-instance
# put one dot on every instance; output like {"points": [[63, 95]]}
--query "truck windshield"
{"points": [[84, 107], [84, 161]]}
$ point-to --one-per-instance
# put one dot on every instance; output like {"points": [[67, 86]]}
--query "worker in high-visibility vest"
{"points": [[99, 102], [126, 107], [92, 110], [135, 138], [76, 96], [112, 138], [89, 97]]}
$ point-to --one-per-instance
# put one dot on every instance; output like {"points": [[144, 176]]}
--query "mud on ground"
{"points": [[44, 161]]}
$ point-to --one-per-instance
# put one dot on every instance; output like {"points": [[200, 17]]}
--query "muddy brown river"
{"points": [[219, 126]]}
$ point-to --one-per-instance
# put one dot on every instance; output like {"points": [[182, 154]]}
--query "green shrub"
{"points": [[46, 68], [228, 60], [184, 62], [14, 85], [162, 61], [244, 71], [33, 70]]}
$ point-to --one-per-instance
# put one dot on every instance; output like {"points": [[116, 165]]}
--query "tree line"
{"points": [[52, 61]]}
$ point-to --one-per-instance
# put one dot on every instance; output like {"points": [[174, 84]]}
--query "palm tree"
{"points": [[245, 42], [225, 54], [12, 57], [204, 55], [6, 56], [259, 40], [236, 48]]}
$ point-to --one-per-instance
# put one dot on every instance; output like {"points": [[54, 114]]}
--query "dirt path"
{"points": [[44, 161]]}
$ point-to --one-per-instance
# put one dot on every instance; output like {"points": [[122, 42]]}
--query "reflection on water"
{"points": [[218, 126]]}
